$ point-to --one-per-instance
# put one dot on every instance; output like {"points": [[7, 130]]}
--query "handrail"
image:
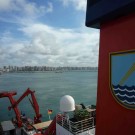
{"points": [[76, 126]]}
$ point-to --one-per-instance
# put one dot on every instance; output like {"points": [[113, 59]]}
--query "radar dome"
{"points": [[67, 104]]}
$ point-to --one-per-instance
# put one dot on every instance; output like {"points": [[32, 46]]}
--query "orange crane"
{"points": [[14, 105]]}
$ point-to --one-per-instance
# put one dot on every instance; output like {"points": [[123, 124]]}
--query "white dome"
{"points": [[67, 104]]}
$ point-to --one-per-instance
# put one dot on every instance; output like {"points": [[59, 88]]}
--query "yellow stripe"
{"points": [[130, 71]]}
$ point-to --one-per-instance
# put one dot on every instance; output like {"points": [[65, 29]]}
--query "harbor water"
{"points": [[49, 87]]}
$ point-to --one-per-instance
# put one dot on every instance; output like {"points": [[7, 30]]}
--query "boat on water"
{"points": [[59, 71]]}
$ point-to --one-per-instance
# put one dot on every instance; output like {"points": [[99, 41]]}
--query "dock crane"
{"points": [[15, 103]]}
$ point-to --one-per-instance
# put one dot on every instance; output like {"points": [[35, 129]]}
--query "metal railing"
{"points": [[74, 126]]}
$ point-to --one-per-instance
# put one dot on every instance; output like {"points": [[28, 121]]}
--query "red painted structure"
{"points": [[116, 20], [51, 130], [112, 118]]}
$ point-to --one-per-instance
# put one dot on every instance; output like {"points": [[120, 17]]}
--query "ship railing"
{"points": [[75, 127]]}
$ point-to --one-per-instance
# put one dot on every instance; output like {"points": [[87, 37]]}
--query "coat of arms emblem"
{"points": [[122, 78]]}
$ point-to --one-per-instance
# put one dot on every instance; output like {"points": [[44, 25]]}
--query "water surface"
{"points": [[49, 87]]}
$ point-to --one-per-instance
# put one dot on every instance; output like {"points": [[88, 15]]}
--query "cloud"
{"points": [[5, 5], [24, 8], [41, 44], [77, 4], [50, 7], [46, 45]]}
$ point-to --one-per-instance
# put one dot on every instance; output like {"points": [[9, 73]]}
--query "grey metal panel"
{"points": [[7, 126]]}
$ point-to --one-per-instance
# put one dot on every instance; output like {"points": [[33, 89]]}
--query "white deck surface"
{"points": [[42, 125], [7, 126]]}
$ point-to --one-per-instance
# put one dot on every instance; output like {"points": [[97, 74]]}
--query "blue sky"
{"points": [[46, 33]]}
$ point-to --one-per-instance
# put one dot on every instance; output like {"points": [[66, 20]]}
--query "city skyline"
{"points": [[44, 68], [51, 32]]}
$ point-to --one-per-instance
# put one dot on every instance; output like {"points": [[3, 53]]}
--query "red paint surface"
{"points": [[51, 130], [112, 118]]}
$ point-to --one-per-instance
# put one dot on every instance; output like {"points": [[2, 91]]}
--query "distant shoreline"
{"points": [[53, 71]]}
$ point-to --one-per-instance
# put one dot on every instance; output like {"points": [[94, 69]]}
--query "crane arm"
{"points": [[13, 101], [36, 108], [33, 103], [6, 93], [14, 104]]}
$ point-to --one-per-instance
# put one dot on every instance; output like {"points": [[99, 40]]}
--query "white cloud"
{"points": [[5, 5], [78, 4], [25, 8], [51, 46], [43, 44], [50, 7]]}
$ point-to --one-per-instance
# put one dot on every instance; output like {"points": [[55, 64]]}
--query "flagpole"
{"points": [[49, 113], [49, 117]]}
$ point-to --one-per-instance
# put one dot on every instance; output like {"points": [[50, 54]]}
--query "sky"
{"points": [[46, 33]]}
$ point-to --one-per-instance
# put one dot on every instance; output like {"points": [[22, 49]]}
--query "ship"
{"points": [[114, 116], [72, 120]]}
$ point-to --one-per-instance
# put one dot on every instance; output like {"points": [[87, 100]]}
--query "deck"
{"points": [[42, 125]]}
